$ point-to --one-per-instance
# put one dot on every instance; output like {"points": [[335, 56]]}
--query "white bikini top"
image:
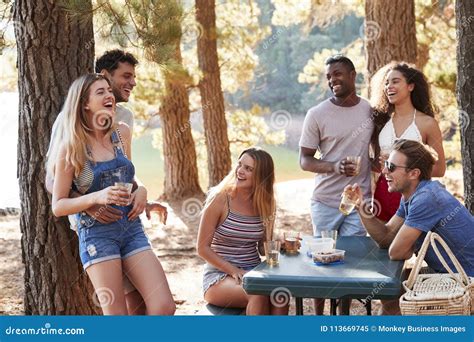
{"points": [[388, 136]]}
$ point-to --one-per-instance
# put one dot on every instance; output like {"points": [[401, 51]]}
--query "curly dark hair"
{"points": [[382, 109], [110, 60]]}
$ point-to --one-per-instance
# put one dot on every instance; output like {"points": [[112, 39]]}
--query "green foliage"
{"points": [[238, 32], [314, 13], [6, 24], [285, 79], [271, 55], [245, 129], [248, 128], [436, 32]]}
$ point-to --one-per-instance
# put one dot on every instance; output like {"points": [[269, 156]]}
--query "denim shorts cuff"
{"points": [[96, 261], [135, 251]]}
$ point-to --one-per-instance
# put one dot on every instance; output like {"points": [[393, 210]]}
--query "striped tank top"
{"points": [[236, 239]]}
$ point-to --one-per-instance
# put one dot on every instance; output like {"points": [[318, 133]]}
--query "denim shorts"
{"points": [[118, 240], [212, 275], [328, 218]]}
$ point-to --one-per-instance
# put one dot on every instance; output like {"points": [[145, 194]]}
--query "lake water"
{"points": [[148, 161]]}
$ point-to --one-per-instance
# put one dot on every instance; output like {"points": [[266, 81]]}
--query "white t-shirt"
{"points": [[123, 115], [338, 132]]}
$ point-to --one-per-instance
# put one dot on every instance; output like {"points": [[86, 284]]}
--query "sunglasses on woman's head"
{"points": [[391, 167]]}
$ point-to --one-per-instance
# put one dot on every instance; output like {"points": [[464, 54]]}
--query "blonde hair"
{"points": [[263, 198], [75, 128]]}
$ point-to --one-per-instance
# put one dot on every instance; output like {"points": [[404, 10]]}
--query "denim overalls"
{"points": [[118, 240]]}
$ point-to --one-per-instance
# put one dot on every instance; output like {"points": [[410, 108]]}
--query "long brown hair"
{"points": [[263, 198], [75, 129], [382, 109]]}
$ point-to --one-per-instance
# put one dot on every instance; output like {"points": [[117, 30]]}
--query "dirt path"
{"points": [[175, 246]]}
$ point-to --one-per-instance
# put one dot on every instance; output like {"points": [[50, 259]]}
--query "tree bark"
{"points": [[179, 151], [53, 50], [465, 93], [212, 99], [390, 32]]}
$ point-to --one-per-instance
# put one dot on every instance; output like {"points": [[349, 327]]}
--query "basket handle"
{"points": [[419, 261], [436, 238]]}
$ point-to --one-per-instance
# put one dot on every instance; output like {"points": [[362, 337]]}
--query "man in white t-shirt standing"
{"points": [[119, 67], [338, 127]]}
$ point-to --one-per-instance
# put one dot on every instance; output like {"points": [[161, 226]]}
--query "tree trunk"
{"points": [[465, 95], [53, 50], [390, 32], [212, 99], [179, 152]]}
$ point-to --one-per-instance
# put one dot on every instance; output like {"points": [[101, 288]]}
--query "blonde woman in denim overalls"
{"points": [[94, 155]]}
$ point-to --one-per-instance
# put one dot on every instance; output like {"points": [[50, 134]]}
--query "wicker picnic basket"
{"points": [[437, 294]]}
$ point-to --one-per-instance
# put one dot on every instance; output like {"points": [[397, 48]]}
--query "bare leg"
{"points": [[145, 272], [319, 306], [106, 277], [135, 303], [279, 311], [258, 305], [227, 293]]}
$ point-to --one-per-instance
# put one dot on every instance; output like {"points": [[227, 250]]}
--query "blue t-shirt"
{"points": [[433, 208]]}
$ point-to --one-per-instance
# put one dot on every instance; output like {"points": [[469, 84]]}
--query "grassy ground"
{"points": [[149, 165]]}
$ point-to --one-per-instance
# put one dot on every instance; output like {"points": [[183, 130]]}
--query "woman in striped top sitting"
{"points": [[237, 217]]}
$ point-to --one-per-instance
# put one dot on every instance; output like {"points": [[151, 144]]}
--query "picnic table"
{"points": [[367, 273]]}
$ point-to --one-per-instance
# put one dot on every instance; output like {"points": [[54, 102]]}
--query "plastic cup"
{"points": [[291, 242], [330, 234], [356, 161], [272, 252], [126, 186], [348, 202], [320, 245]]}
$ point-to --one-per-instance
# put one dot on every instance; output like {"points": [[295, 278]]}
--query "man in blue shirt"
{"points": [[425, 206]]}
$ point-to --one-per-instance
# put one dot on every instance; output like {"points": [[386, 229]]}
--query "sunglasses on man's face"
{"points": [[391, 167]]}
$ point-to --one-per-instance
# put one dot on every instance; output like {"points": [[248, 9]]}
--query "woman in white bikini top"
{"points": [[388, 135], [402, 110]]}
